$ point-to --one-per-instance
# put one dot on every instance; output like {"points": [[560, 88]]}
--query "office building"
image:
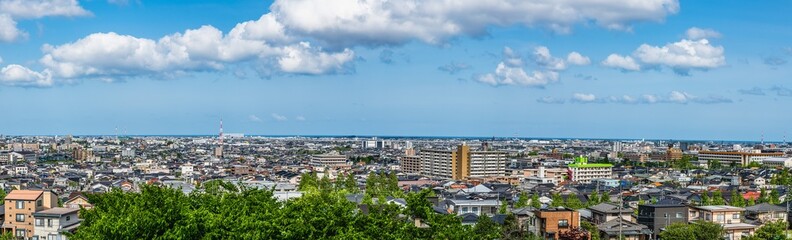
{"points": [[735, 158], [332, 159], [410, 164]]}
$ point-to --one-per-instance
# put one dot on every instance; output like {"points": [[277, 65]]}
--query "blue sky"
{"points": [[660, 69]]}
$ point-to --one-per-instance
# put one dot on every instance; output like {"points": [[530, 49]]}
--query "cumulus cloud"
{"points": [[16, 75], [695, 33], [625, 63], [683, 56], [695, 53], [544, 59], [510, 72], [279, 117], [13, 10], [301, 58], [8, 29], [454, 67], [111, 55], [578, 59], [381, 22], [674, 97]]}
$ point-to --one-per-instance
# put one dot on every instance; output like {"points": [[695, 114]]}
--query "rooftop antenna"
{"points": [[762, 138], [221, 137]]}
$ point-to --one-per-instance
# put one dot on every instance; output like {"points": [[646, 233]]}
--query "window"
{"points": [[464, 209], [736, 216], [20, 204], [20, 233], [39, 203], [679, 215], [20, 217], [720, 217], [475, 209], [68, 218], [563, 223], [39, 222], [49, 222]]}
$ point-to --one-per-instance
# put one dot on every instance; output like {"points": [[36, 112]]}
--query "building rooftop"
{"points": [[720, 208], [55, 212], [24, 195]]}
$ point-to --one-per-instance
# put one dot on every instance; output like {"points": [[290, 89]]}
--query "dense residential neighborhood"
{"points": [[542, 189]]}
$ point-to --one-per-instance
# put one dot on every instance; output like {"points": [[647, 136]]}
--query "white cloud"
{"points": [[578, 59], [510, 72], [300, 118], [683, 55], [301, 58], [584, 97], [625, 63], [695, 33], [32, 9], [110, 55], [279, 117], [8, 29], [382, 22], [254, 118], [546, 60], [16, 75], [674, 97]]}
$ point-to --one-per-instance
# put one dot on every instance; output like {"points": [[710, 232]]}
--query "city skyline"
{"points": [[663, 69]]}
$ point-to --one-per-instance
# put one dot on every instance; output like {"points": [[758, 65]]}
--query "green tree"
{"points": [[504, 207], [594, 198], [763, 197], [605, 198], [3, 193], [717, 198], [522, 200], [774, 197], [736, 199], [770, 231], [535, 201], [573, 202], [705, 199], [308, 181], [591, 228], [751, 202], [556, 200], [486, 229], [702, 230]]}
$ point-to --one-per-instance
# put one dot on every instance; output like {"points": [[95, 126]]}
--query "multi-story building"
{"points": [[727, 216], [20, 207], [462, 163], [410, 164], [479, 207], [553, 221], [583, 172], [785, 162], [332, 159], [764, 213], [53, 223], [605, 212], [661, 214], [737, 158], [546, 175]]}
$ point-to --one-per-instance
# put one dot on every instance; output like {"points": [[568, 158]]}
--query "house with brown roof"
{"points": [[20, 206]]}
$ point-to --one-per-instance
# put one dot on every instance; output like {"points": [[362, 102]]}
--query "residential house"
{"points": [[605, 212], [611, 230], [53, 223], [551, 222], [478, 207], [659, 215], [20, 206], [764, 212], [727, 216]]}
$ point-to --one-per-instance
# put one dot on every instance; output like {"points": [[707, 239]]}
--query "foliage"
{"points": [[574, 234], [556, 200], [504, 207], [753, 165], [535, 201], [3, 193], [705, 199], [784, 178], [573, 202], [522, 201], [701, 230], [736, 199], [770, 231], [381, 185], [591, 228], [594, 198], [717, 198], [224, 210], [763, 197], [774, 197]]}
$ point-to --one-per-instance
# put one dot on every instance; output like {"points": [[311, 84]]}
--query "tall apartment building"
{"points": [[20, 206], [462, 163], [741, 158], [583, 172], [332, 159], [410, 164]]}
